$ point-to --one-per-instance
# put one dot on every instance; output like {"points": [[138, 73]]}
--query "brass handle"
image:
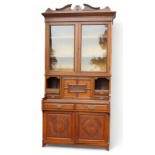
{"points": [[101, 98], [52, 96], [58, 106], [52, 92], [91, 107], [101, 93]]}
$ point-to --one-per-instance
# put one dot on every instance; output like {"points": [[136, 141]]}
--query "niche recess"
{"points": [[101, 84], [53, 82]]}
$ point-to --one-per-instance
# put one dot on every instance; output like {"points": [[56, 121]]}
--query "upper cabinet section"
{"points": [[78, 41]]}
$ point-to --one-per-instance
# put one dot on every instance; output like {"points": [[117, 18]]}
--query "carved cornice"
{"points": [[78, 8]]}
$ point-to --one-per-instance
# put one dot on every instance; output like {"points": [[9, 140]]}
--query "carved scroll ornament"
{"points": [[78, 8]]}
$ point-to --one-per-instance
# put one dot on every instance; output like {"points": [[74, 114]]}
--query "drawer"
{"points": [[101, 97], [52, 91], [102, 92], [53, 96], [90, 107], [57, 106]]}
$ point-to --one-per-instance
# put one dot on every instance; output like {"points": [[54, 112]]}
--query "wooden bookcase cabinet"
{"points": [[78, 48]]}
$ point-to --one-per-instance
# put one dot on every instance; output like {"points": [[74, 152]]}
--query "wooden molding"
{"points": [[78, 8]]}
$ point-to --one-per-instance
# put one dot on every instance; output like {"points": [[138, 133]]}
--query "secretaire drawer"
{"points": [[102, 92], [53, 96], [101, 97], [57, 106], [92, 107], [52, 91]]}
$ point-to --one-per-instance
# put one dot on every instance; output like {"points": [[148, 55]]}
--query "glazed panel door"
{"points": [[94, 41], [61, 48], [92, 128]]}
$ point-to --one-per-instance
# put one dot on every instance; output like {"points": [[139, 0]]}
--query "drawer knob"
{"points": [[91, 107], [52, 96], [58, 106], [101, 93], [52, 92], [101, 98]]}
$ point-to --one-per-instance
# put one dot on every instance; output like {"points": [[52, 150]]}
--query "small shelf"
{"points": [[93, 37], [101, 84], [94, 56], [51, 56], [62, 37], [53, 82]]}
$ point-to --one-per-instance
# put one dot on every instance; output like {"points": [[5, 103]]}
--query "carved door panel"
{"points": [[77, 88], [92, 127], [58, 126]]}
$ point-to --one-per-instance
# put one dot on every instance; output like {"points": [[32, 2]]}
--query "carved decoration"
{"points": [[59, 133], [78, 8], [106, 9], [59, 125], [77, 88], [91, 127], [49, 10]]}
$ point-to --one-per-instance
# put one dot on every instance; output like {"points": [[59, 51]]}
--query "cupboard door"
{"points": [[58, 126], [92, 128], [94, 47], [61, 48]]}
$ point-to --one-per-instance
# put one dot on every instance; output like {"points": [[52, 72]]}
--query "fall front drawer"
{"points": [[90, 107], [57, 106]]}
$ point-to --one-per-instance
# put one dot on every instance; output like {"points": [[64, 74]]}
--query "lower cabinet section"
{"points": [[76, 128]]}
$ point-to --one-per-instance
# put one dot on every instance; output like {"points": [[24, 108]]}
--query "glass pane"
{"points": [[62, 48], [94, 48]]}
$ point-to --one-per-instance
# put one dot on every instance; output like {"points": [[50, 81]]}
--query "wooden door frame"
{"points": [[93, 73], [100, 142], [45, 113], [47, 48]]}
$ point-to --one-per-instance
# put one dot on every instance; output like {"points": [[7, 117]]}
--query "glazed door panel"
{"points": [[94, 43], [91, 127], [77, 88], [58, 126], [61, 48]]}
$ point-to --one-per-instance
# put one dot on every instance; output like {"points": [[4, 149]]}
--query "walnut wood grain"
{"points": [[95, 107], [52, 91], [78, 8], [49, 96], [101, 92], [58, 126], [55, 106], [101, 97], [75, 101], [91, 127], [77, 11], [73, 110]]}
